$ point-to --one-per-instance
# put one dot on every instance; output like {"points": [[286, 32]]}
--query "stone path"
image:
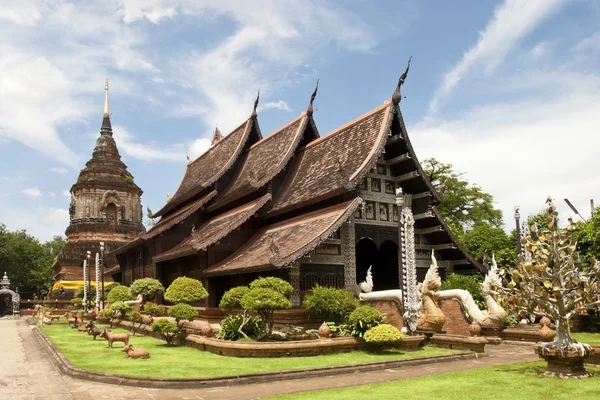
{"points": [[27, 373]]}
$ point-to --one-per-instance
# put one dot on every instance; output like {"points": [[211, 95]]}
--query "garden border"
{"points": [[66, 367]]}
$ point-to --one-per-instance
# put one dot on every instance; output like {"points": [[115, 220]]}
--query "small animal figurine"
{"points": [[92, 330], [115, 337], [55, 317], [135, 353]]}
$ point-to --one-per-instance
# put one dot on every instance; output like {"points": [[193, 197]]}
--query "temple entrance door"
{"points": [[387, 271], [4, 304], [367, 254]]}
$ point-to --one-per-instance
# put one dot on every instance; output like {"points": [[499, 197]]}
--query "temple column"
{"points": [[348, 238], [294, 277]]}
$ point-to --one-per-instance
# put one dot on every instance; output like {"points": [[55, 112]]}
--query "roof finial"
{"points": [[106, 97], [309, 110], [256, 103], [216, 136], [396, 97]]}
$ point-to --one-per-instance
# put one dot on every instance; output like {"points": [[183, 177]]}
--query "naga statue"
{"points": [[366, 291], [367, 285], [432, 318], [495, 315]]}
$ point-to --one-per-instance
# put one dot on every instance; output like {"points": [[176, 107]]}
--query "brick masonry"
{"points": [[456, 321]]}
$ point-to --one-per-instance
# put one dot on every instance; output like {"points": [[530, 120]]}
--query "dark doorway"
{"points": [[5, 304], [386, 275], [366, 255]]}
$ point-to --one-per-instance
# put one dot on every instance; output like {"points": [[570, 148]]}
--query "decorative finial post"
{"points": [[254, 114], [397, 96], [309, 110], [106, 113], [517, 219], [216, 136]]}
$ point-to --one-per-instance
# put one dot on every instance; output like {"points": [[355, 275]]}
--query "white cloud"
{"points": [[60, 171], [279, 105], [66, 193], [22, 12], [41, 222], [32, 192], [512, 21], [199, 146], [145, 151]]}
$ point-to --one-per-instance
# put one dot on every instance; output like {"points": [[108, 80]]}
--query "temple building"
{"points": [[105, 207], [308, 208]]}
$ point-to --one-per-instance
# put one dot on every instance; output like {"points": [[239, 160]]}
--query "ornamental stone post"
{"points": [[294, 276], [348, 238]]}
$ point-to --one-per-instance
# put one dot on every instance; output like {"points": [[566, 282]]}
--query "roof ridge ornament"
{"points": [[309, 110], [397, 96], [216, 136], [254, 114], [106, 113]]}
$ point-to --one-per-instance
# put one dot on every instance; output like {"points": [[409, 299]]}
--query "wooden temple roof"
{"points": [[169, 220], [209, 166], [333, 164], [214, 229], [280, 244], [264, 160]]}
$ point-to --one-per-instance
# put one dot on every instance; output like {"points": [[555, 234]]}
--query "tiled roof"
{"points": [[210, 166], [336, 162], [214, 230], [280, 244], [264, 160], [169, 220]]}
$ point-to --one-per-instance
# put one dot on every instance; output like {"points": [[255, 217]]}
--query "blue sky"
{"points": [[507, 91]]}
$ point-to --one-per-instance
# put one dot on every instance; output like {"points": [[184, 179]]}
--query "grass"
{"points": [[587, 337], [186, 362], [506, 382]]}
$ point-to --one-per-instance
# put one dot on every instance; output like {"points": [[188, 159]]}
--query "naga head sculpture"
{"points": [[492, 279], [432, 281]]}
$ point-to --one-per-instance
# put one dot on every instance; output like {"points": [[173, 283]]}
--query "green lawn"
{"points": [[586, 337], [185, 362], [507, 382]]}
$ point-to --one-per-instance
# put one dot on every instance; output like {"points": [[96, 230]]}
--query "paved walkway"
{"points": [[27, 373]]}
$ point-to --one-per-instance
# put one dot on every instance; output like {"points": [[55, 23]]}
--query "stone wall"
{"points": [[389, 308], [456, 320]]}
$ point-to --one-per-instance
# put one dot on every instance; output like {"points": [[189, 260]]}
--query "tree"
{"points": [[232, 299], [185, 290], [135, 317], [119, 293], [27, 262], [464, 204], [265, 296], [166, 329], [331, 303], [147, 287], [485, 239], [182, 312], [470, 283], [117, 308], [588, 236], [557, 281]]}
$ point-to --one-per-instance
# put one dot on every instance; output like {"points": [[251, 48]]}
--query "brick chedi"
{"points": [[105, 207]]}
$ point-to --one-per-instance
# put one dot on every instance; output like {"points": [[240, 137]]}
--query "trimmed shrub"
{"points": [[233, 297], [384, 336], [136, 319], [231, 325], [362, 319], [106, 314], [119, 293], [330, 303], [470, 283], [153, 309], [147, 287], [265, 301], [167, 329], [272, 283], [182, 312], [110, 287], [185, 290]]}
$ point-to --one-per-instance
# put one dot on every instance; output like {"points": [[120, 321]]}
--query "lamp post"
{"points": [[89, 276], [102, 264], [517, 219]]}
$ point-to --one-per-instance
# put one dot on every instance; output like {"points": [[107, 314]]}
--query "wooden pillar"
{"points": [[348, 238], [294, 277]]}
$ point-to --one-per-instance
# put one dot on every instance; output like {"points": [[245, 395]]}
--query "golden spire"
{"points": [[106, 97]]}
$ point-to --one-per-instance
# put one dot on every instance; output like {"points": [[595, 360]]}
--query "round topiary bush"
{"points": [[185, 290], [330, 303], [147, 287], [182, 312], [153, 309], [167, 329], [119, 293], [384, 336], [233, 297], [272, 283], [362, 319]]}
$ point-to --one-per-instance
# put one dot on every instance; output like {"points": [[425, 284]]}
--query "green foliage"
{"points": [[510, 321], [539, 220], [147, 287], [185, 290], [263, 299], [76, 304], [588, 236], [166, 329], [331, 303], [182, 312], [464, 204], [109, 287], [120, 307], [119, 293], [384, 336], [231, 324], [233, 297], [362, 319], [272, 283], [484, 238], [135, 317], [153, 309], [106, 313], [28, 262], [470, 283], [91, 293]]}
